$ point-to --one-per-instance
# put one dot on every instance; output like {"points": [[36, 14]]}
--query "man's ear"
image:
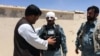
{"points": [[96, 14]]}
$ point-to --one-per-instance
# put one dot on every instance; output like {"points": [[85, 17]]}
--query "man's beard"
{"points": [[90, 18]]}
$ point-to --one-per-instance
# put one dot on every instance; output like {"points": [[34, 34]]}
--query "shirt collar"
{"points": [[94, 22]]}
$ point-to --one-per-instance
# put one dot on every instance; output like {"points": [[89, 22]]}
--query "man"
{"points": [[84, 40], [26, 41], [54, 30]]}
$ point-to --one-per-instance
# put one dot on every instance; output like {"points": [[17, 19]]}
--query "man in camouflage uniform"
{"points": [[85, 36]]}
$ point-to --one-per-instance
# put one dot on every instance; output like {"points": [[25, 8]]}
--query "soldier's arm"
{"points": [[77, 42], [63, 41]]}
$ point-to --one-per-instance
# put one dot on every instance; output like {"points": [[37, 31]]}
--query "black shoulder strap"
{"points": [[33, 29], [81, 28], [82, 31], [57, 28], [43, 27]]}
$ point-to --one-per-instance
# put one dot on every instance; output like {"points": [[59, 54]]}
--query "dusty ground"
{"points": [[7, 26]]}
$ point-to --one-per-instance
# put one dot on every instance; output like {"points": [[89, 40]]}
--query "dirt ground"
{"points": [[7, 26]]}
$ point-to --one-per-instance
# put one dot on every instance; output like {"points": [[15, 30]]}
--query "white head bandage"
{"points": [[51, 14]]}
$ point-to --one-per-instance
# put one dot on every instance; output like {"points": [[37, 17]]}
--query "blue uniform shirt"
{"points": [[63, 44], [87, 46]]}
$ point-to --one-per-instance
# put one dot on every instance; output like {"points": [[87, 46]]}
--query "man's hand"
{"points": [[76, 51], [51, 40]]}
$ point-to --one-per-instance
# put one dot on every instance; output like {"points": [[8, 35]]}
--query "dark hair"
{"points": [[32, 10], [95, 8]]}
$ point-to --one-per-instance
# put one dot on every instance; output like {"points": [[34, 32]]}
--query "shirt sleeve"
{"points": [[63, 41], [37, 30], [26, 31], [77, 43]]}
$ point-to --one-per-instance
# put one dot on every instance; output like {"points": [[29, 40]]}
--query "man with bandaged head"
{"points": [[53, 30]]}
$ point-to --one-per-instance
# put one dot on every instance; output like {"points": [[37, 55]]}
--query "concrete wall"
{"points": [[59, 14], [15, 11], [11, 11]]}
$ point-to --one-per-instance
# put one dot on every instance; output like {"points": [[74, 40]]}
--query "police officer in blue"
{"points": [[84, 40], [54, 30]]}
